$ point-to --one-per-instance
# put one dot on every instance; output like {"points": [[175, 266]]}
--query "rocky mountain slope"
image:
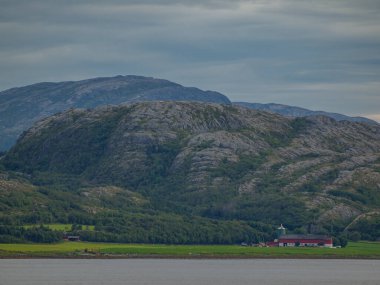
{"points": [[21, 107], [293, 111], [210, 161]]}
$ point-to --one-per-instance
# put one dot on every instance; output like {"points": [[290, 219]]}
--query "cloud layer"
{"points": [[314, 54]]}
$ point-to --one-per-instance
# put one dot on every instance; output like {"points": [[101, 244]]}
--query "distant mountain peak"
{"points": [[21, 107], [293, 111]]}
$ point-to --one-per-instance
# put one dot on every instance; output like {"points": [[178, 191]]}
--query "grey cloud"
{"points": [[296, 52]]}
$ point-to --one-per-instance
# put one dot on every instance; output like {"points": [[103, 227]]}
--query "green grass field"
{"points": [[353, 250], [62, 227]]}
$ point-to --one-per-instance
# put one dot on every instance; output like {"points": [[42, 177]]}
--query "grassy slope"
{"points": [[353, 250]]}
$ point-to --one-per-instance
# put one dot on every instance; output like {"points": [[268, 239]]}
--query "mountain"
{"points": [[292, 111], [201, 172], [21, 107]]}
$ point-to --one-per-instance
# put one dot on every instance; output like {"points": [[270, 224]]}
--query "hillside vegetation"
{"points": [[186, 172]]}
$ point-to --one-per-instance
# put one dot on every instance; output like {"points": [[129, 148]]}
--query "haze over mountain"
{"points": [[21, 107], [175, 166], [293, 111]]}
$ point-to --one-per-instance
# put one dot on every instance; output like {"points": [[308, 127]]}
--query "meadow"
{"points": [[109, 250]]}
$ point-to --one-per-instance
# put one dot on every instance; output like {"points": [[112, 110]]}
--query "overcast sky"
{"points": [[319, 54]]}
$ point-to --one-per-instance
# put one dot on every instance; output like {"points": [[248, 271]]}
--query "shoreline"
{"points": [[189, 257], [91, 250]]}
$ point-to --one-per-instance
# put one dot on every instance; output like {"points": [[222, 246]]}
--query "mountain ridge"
{"points": [[20, 107]]}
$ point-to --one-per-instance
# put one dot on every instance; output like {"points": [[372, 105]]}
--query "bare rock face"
{"points": [[219, 160]]}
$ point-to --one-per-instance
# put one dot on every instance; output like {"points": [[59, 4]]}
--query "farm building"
{"points": [[71, 238], [305, 240], [300, 240]]}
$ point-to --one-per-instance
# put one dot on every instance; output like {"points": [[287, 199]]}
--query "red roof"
{"points": [[305, 239], [326, 241]]}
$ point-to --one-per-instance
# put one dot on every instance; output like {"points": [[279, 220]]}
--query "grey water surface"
{"points": [[182, 271]]}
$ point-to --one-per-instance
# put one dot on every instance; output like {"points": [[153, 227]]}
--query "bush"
{"points": [[340, 241], [354, 236]]}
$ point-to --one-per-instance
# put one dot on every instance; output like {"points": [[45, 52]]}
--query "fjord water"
{"points": [[176, 272]]}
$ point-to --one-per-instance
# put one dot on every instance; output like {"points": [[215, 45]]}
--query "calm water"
{"points": [[168, 272]]}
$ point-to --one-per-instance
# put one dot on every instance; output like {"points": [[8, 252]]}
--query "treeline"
{"points": [[366, 229], [171, 229], [41, 234], [148, 228]]}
